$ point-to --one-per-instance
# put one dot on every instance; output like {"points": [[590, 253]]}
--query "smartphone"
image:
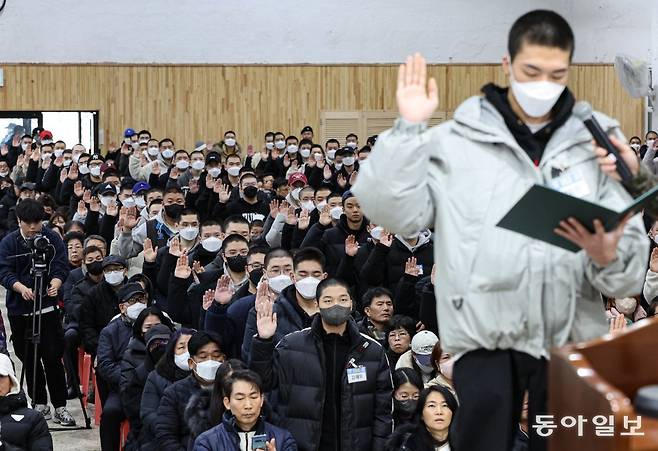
{"points": [[259, 441]]}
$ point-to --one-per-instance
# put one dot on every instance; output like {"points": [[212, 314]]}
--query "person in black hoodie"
{"points": [[436, 408], [247, 205], [407, 386], [21, 428], [295, 304], [331, 241], [331, 383], [145, 349], [172, 367]]}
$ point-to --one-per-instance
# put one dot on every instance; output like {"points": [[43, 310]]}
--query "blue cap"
{"points": [[141, 186], [129, 132], [347, 195]]}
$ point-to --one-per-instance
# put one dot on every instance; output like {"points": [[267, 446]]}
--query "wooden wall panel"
{"points": [[190, 103]]}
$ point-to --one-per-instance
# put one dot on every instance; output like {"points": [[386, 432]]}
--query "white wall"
{"points": [[302, 31]]}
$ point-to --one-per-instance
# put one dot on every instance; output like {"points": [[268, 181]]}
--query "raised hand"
{"points": [[175, 247], [311, 163], [87, 196], [653, 262], [4, 149], [128, 218], [59, 162], [286, 160], [326, 172], [325, 216], [352, 180], [183, 270], [351, 246], [304, 220], [78, 189], [208, 299], [174, 173], [73, 171], [291, 217], [82, 208], [294, 164], [600, 246], [143, 160], [224, 193], [155, 168], [63, 174], [197, 268], [36, 154], [223, 291], [210, 182], [194, 186], [112, 209], [341, 181], [274, 208], [126, 149], [283, 207], [94, 204], [416, 98], [386, 239], [20, 161], [433, 276], [617, 324], [265, 318], [150, 252], [411, 267]]}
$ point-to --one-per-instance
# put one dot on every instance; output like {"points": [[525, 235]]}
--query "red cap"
{"points": [[297, 177], [45, 134]]}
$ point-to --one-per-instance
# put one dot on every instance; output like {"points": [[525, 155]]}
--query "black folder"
{"points": [[541, 209]]}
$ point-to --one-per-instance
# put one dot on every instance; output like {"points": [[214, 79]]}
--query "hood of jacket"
{"points": [[424, 238]]}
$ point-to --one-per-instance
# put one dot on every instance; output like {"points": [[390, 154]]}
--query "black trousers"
{"points": [[112, 416], [490, 386], [49, 357], [72, 341]]}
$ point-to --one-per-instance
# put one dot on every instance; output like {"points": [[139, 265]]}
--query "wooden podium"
{"points": [[601, 378]]}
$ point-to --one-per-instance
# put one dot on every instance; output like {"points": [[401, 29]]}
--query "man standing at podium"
{"points": [[503, 299]]}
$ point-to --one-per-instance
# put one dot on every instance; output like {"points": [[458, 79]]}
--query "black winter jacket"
{"points": [[98, 309], [412, 437], [22, 428], [130, 387], [112, 343], [295, 369], [171, 431]]}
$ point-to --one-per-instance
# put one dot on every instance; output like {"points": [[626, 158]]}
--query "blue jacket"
{"points": [[112, 344], [225, 437], [17, 269]]}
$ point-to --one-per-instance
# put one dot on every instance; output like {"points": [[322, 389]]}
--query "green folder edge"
{"points": [[541, 209]]}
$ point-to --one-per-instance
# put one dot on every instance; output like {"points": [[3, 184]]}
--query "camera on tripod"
{"points": [[39, 246]]}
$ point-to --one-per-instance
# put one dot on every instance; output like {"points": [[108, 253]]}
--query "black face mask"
{"points": [[237, 263], [255, 276], [95, 268], [405, 408], [174, 210], [250, 192]]}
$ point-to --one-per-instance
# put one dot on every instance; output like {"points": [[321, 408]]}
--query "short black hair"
{"points": [[230, 131], [232, 238], [406, 375], [269, 134], [245, 376], [352, 135], [166, 140], [279, 182], [373, 293], [306, 141], [309, 254], [234, 219], [30, 211], [401, 322], [634, 137], [276, 253], [292, 137], [144, 132], [649, 132], [202, 338], [279, 134], [332, 141], [210, 223], [139, 321], [26, 136], [541, 27], [326, 283], [364, 149]]}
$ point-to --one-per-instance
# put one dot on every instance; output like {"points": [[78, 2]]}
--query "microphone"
{"points": [[583, 111]]}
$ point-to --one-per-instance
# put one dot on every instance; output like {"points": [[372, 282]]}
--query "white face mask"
{"points": [[305, 153], [24, 146], [318, 157], [133, 311], [291, 149], [211, 244], [127, 141], [189, 233], [536, 98], [348, 161], [167, 153], [269, 146], [129, 202], [76, 157], [95, 171], [198, 165], [207, 369], [182, 164], [308, 205], [153, 151], [214, 172], [279, 283], [4, 174], [376, 233], [143, 141], [635, 147], [107, 200], [113, 277], [234, 171], [59, 153], [280, 145], [336, 212], [67, 163], [140, 202], [351, 145], [45, 156], [331, 154], [338, 166], [307, 287], [229, 142], [295, 193], [182, 361], [84, 169], [446, 367]]}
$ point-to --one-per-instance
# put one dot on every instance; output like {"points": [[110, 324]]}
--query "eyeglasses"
{"points": [[136, 299], [402, 334], [406, 396]]}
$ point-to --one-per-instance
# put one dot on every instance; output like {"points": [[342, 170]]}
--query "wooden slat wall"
{"points": [[189, 103]]}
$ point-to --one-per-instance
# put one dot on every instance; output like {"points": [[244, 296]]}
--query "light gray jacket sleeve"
{"points": [[650, 290], [624, 276], [648, 160], [393, 185], [273, 236], [130, 244]]}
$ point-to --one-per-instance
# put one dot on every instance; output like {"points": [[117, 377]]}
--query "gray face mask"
{"points": [[335, 315]]}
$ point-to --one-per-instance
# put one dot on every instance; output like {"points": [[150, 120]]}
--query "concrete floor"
{"points": [[84, 440]]}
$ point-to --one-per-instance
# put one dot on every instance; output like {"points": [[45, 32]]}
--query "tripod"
{"points": [[33, 336]]}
